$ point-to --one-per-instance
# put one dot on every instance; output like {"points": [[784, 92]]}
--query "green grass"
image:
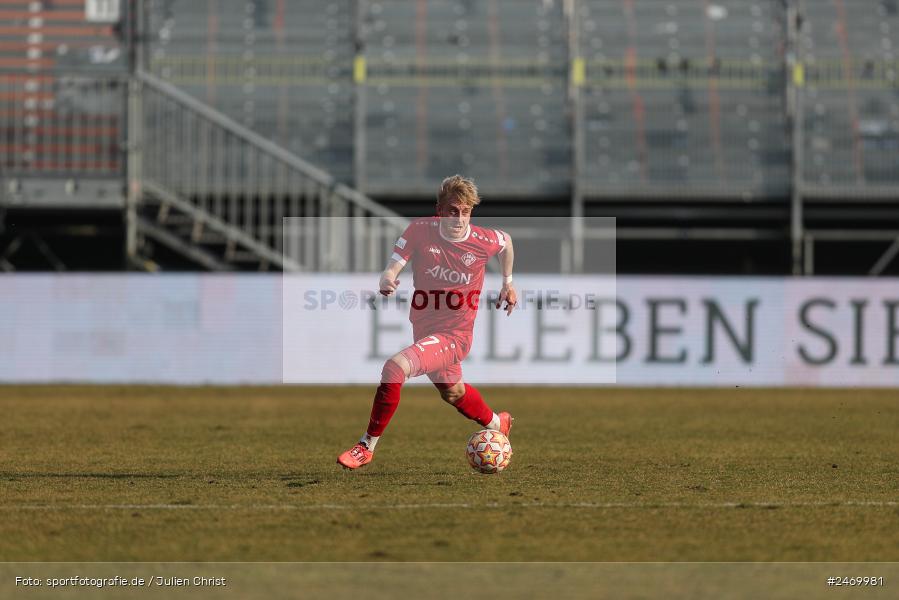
{"points": [[597, 475]]}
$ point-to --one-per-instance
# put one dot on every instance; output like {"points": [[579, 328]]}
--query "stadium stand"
{"points": [[477, 87], [432, 103], [684, 99], [62, 111], [284, 69], [851, 124], [675, 92], [677, 117]]}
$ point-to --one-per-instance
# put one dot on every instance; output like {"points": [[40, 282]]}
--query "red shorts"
{"points": [[439, 355]]}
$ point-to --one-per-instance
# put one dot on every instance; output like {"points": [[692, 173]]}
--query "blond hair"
{"points": [[458, 188]]}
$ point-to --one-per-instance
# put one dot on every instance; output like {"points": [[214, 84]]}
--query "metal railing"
{"points": [[236, 181]]}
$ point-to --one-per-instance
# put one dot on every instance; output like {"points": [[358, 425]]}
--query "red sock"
{"points": [[387, 398], [473, 406]]}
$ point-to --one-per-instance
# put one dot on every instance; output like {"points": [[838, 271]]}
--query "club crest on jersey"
{"points": [[438, 272], [434, 250], [468, 259]]}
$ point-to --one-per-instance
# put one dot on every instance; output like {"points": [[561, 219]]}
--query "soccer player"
{"points": [[449, 256]]}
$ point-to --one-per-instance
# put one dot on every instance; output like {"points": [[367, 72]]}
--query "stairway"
{"points": [[225, 198]]}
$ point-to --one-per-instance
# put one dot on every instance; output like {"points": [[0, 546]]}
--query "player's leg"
{"points": [[387, 397], [430, 353], [468, 400]]}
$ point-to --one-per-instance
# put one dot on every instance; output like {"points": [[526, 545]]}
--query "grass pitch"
{"points": [[248, 474]]}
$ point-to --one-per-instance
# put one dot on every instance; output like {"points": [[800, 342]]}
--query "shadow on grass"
{"points": [[88, 475]]}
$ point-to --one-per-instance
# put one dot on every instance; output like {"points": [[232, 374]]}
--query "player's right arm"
{"points": [[389, 281], [403, 251]]}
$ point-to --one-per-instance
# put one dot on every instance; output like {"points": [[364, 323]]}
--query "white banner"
{"points": [[640, 331], [133, 328]]}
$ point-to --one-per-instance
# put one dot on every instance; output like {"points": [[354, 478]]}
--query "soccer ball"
{"points": [[488, 451]]}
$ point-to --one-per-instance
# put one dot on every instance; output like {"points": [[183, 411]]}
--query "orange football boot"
{"points": [[357, 456], [505, 423]]}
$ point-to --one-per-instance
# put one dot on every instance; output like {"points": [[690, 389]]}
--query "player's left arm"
{"points": [[506, 260]]}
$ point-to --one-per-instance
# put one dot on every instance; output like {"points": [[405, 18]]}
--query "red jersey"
{"points": [[447, 275]]}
